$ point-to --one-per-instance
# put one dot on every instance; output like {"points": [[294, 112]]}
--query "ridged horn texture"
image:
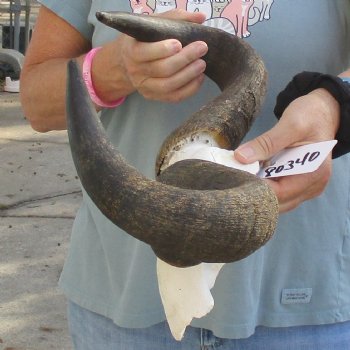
{"points": [[197, 211]]}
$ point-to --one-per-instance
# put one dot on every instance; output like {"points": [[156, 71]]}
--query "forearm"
{"points": [[43, 84], [43, 77], [163, 71], [43, 89], [44, 73]]}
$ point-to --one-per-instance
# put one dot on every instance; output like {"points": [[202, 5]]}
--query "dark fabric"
{"points": [[305, 82]]}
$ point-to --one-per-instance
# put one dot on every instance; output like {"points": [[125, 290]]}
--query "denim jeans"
{"points": [[90, 331]]}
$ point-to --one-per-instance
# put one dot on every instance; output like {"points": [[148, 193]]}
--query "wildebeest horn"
{"points": [[198, 211]]}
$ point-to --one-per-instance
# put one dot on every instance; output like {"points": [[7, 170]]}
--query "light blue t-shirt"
{"points": [[302, 276]]}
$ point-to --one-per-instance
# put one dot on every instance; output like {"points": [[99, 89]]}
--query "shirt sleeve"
{"points": [[74, 12]]}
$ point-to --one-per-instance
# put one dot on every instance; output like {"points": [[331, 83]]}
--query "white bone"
{"points": [[185, 292]]}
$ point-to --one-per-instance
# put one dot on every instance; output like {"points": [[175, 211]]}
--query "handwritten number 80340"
{"points": [[291, 164]]}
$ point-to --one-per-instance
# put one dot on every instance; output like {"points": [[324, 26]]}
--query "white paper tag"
{"points": [[297, 160]]}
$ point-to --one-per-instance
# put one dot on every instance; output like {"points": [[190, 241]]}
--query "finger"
{"points": [[291, 191], [189, 55], [177, 80], [176, 95], [155, 84], [185, 91], [141, 52], [288, 191]]}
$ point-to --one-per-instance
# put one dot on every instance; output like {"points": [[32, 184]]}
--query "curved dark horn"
{"points": [[222, 218], [231, 63]]}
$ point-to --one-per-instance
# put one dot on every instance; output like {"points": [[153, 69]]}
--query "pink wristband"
{"points": [[90, 86]]}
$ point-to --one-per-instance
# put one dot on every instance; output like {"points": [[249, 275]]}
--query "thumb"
{"points": [[264, 146]]}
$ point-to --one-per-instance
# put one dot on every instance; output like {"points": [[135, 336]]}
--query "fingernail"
{"points": [[175, 46], [202, 48], [246, 152], [201, 65]]}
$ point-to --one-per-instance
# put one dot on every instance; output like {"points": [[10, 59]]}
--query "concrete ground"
{"points": [[39, 196]]}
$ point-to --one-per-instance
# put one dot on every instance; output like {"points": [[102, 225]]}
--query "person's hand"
{"points": [[308, 119], [163, 71]]}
